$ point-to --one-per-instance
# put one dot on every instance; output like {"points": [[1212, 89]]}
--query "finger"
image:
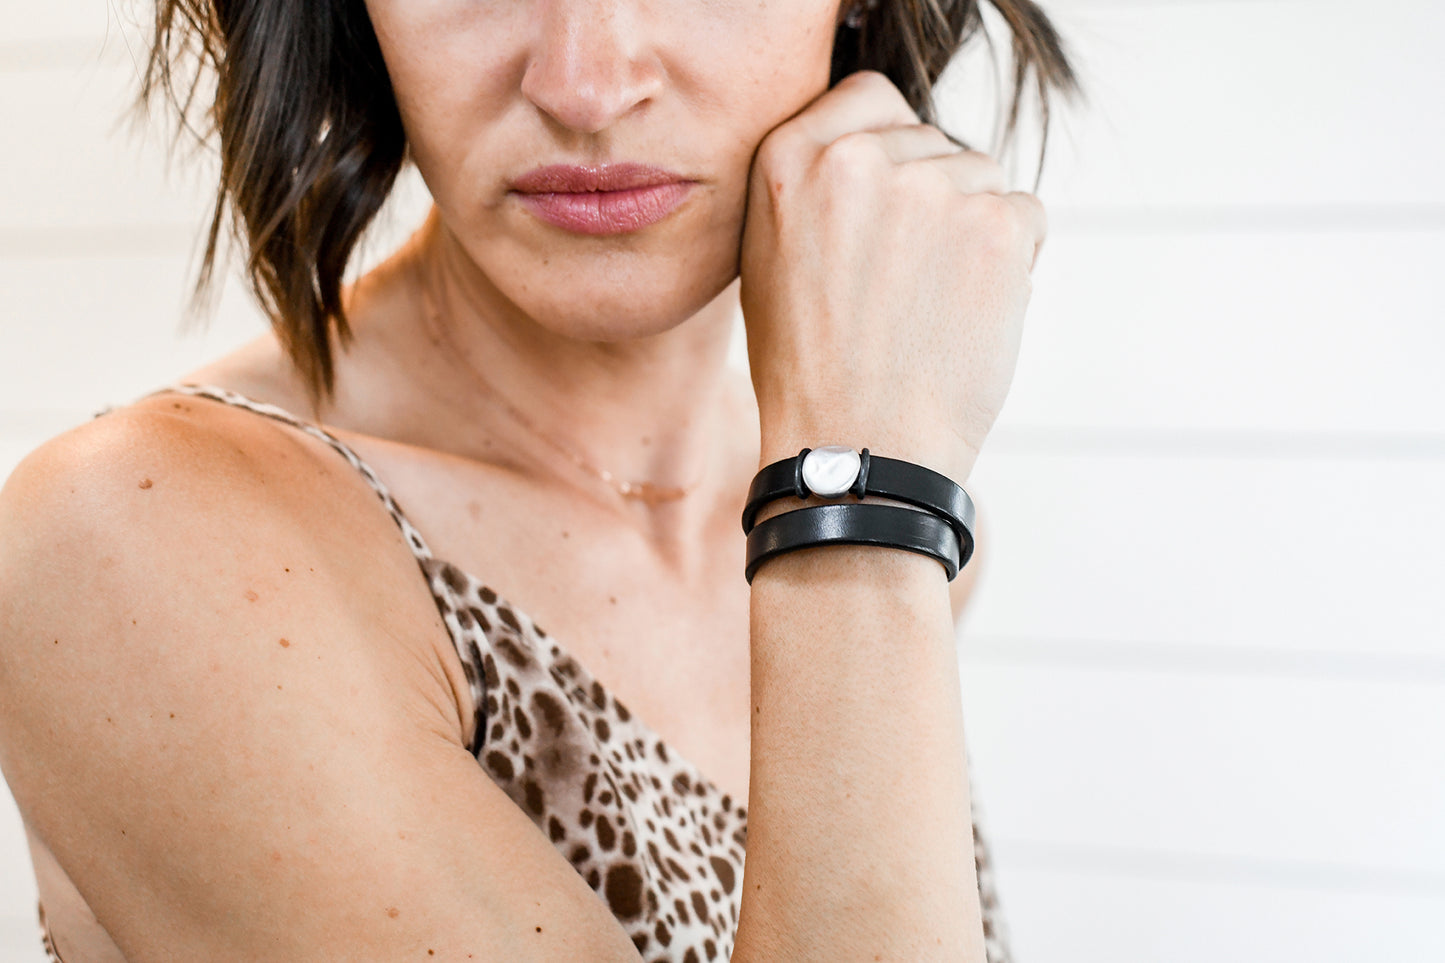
{"points": [[863, 100], [970, 171], [1031, 210], [915, 142]]}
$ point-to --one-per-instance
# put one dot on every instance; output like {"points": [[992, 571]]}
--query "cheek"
{"points": [[765, 60], [452, 67]]}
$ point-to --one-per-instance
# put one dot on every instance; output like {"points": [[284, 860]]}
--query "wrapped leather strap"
{"points": [[890, 526], [887, 477]]}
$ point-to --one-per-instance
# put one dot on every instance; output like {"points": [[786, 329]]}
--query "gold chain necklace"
{"points": [[644, 491]]}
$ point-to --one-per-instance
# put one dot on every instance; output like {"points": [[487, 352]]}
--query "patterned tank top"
{"points": [[657, 841]]}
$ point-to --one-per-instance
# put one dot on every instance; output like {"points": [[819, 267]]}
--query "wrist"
{"points": [[875, 500]]}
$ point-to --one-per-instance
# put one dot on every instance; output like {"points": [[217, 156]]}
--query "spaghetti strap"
{"points": [[414, 541]]}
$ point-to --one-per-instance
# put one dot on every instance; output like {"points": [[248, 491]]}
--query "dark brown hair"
{"points": [[311, 141]]}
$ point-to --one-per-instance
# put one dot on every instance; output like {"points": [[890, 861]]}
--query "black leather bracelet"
{"points": [[890, 526], [876, 475]]}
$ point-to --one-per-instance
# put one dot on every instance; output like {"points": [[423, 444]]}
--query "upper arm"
{"points": [[226, 738]]}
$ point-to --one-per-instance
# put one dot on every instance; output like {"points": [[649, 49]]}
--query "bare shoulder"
{"points": [[215, 712], [178, 544], [179, 517], [182, 498]]}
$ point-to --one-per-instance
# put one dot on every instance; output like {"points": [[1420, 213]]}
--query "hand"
{"points": [[885, 274]]}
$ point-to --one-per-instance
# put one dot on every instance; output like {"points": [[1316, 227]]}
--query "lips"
{"points": [[574, 179], [610, 199]]}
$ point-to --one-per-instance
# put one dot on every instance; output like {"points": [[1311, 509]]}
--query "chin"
{"points": [[609, 315], [619, 299]]}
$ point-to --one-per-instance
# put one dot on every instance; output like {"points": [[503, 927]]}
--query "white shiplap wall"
{"points": [[1205, 670], [1205, 676]]}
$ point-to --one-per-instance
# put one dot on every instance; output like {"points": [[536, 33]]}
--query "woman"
{"points": [[238, 721]]}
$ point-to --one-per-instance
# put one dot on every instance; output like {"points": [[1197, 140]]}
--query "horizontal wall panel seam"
{"points": [[1197, 867], [1204, 443], [1194, 660]]}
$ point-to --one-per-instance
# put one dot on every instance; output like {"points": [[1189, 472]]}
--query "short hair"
{"points": [[311, 141]]}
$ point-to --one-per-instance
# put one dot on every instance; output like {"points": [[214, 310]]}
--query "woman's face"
{"points": [[490, 90]]}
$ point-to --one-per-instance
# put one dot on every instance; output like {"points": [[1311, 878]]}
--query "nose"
{"points": [[591, 63]]}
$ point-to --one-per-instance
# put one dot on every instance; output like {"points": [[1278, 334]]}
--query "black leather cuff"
{"points": [[890, 526], [886, 477]]}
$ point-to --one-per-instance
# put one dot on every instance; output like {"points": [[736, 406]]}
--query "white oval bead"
{"points": [[831, 470]]}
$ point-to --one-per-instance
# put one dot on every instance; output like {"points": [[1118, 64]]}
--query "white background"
{"points": [[1205, 669]]}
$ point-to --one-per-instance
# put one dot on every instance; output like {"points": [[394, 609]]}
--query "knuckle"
{"points": [[781, 150], [937, 134], [990, 217], [854, 156], [875, 83], [1040, 212], [924, 181], [987, 165], [870, 79]]}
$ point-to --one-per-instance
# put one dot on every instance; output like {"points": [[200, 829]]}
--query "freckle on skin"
{"points": [[251, 596], [393, 912], [612, 599], [285, 644], [147, 483]]}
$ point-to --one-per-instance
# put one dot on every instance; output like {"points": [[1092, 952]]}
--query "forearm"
{"points": [[859, 834]]}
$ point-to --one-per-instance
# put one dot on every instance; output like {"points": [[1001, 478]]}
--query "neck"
{"points": [[659, 408]]}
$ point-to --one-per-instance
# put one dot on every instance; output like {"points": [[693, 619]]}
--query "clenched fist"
{"points": [[885, 274]]}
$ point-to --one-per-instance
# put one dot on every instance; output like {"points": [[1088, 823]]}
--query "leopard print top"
{"points": [[654, 837]]}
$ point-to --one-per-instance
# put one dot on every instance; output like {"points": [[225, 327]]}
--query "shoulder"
{"points": [[147, 490], [174, 468], [106, 466], [175, 545]]}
